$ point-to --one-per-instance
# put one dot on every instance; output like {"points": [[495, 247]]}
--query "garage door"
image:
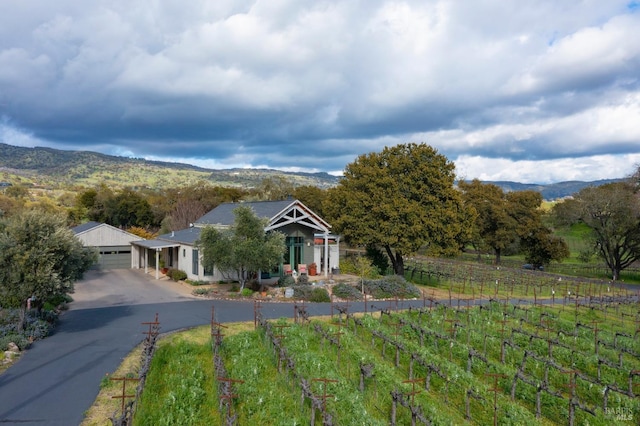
{"points": [[114, 257]]}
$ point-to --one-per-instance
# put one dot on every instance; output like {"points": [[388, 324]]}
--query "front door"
{"points": [[293, 255]]}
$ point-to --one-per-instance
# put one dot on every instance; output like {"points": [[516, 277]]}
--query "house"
{"points": [[308, 240], [112, 244]]}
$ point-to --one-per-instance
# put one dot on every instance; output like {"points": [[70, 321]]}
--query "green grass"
{"points": [[178, 387], [577, 237]]}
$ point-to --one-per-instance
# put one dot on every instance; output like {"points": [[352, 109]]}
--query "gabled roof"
{"points": [[85, 227], [90, 226], [223, 214], [278, 213], [184, 236], [174, 239]]}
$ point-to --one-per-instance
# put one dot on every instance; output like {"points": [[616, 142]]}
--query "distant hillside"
{"points": [[53, 168], [552, 191]]}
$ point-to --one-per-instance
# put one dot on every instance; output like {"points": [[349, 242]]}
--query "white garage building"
{"points": [[113, 244]]}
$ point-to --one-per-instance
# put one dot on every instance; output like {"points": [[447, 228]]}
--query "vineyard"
{"points": [[497, 363]]}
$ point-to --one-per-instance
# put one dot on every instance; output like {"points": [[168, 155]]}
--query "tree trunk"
{"points": [[615, 274], [399, 269], [498, 254], [397, 262]]}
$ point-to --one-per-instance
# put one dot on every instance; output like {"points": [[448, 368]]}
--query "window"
{"points": [[208, 271], [194, 262]]}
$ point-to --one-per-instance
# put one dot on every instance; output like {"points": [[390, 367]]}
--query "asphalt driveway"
{"points": [[56, 380]]}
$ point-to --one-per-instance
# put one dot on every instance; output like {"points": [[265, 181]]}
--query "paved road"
{"points": [[56, 380]]}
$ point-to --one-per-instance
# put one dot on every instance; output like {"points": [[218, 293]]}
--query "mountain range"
{"points": [[57, 169]]}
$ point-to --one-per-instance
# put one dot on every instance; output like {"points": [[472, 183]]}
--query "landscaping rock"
{"points": [[12, 347]]}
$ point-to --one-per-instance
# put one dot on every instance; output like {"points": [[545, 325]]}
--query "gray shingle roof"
{"points": [[223, 214], [184, 236], [85, 227]]}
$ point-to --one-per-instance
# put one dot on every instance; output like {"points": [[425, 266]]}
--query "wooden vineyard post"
{"points": [[414, 391], [154, 328], [324, 395], [226, 398], [257, 309], [595, 334], [216, 332], [279, 336], [572, 390], [546, 327], [337, 334], [495, 390], [503, 322], [454, 323], [396, 334], [123, 395]]}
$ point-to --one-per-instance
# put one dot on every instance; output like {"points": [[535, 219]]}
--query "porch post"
{"points": [[157, 263], [326, 254], [146, 260]]}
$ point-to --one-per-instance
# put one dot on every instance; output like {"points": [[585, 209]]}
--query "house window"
{"points": [[170, 253], [208, 271], [194, 262]]}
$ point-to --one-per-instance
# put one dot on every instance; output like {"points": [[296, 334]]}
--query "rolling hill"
{"points": [[56, 169]]}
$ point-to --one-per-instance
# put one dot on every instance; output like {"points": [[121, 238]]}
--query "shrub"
{"points": [[246, 292], [286, 281], [348, 266], [202, 291], [21, 341], [311, 294], [319, 295], [303, 279], [60, 299], [391, 286], [347, 292], [176, 274], [197, 282]]}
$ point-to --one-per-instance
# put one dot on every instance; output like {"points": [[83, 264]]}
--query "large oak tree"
{"points": [[401, 199], [612, 212], [494, 228], [504, 219]]}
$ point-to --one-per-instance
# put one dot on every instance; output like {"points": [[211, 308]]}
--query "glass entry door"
{"points": [[293, 254]]}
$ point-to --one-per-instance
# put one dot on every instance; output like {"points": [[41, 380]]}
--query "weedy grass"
{"points": [[178, 387]]}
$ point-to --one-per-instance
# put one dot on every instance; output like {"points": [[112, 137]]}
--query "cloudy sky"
{"points": [[532, 90]]}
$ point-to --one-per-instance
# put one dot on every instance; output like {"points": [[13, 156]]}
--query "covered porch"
{"points": [[151, 253]]}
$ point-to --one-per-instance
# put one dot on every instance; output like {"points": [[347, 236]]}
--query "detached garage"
{"points": [[113, 244]]}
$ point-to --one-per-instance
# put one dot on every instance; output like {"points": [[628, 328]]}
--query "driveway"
{"points": [[56, 380]]}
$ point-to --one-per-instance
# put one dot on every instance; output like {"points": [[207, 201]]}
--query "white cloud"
{"points": [[252, 81]]}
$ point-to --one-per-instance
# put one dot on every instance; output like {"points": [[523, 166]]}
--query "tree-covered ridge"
{"points": [[57, 168]]}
